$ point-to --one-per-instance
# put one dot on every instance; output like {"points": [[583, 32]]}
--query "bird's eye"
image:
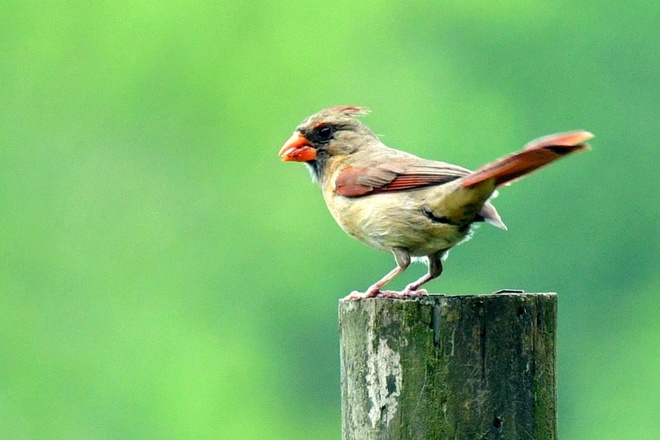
{"points": [[325, 132]]}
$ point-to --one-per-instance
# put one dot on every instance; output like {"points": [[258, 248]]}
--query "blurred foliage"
{"points": [[164, 276]]}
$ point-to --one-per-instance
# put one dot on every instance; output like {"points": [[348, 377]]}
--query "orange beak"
{"points": [[297, 149]]}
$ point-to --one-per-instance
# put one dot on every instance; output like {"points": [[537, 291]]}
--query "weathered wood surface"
{"points": [[449, 367]]}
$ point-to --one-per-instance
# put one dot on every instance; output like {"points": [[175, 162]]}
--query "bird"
{"points": [[394, 201]]}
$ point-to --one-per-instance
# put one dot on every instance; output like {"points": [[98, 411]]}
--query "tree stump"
{"points": [[449, 367]]}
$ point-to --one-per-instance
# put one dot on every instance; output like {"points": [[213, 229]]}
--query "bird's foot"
{"points": [[414, 293], [355, 296], [389, 294], [372, 292], [375, 293]]}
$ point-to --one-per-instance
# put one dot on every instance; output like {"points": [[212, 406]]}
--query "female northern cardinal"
{"points": [[396, 202]]}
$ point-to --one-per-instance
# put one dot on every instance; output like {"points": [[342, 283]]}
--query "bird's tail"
{"points": [[536, 154]]}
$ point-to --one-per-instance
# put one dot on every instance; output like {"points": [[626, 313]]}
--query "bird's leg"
{"points": [[402, 258], [435, 269]]}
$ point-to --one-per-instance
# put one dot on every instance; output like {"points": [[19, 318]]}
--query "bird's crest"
{"points": [[348, 110]]}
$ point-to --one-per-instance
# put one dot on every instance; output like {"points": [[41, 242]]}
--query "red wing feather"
{"points": [[412, 181], [356, 182]]}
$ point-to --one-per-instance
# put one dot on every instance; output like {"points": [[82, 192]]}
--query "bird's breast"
{"points": [[395, 220]]}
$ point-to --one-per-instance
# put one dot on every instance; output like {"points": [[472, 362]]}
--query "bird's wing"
{"points": [[395, 175]]}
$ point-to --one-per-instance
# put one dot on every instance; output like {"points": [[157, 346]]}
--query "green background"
{"points": [[165, 276]]}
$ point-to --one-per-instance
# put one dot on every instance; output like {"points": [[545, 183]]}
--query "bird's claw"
{"points": [[372, 293], [388, 294], [377, 293], [355, 296], [416, 293]]}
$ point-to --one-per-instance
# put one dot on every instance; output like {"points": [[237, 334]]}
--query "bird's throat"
{"points": [[315, 168]]}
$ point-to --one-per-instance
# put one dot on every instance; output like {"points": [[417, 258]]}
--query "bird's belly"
{"points": [[395, 220]]}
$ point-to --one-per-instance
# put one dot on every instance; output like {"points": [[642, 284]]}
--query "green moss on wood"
{"points": [[478, 367]]}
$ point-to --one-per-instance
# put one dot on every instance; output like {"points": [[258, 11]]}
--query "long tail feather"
{"points": [[536, 154]]}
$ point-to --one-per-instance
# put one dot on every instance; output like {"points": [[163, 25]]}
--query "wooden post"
{"points": [[449, 367]]}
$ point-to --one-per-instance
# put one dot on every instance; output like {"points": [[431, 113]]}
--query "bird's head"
{"points": [[331, 133]]}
